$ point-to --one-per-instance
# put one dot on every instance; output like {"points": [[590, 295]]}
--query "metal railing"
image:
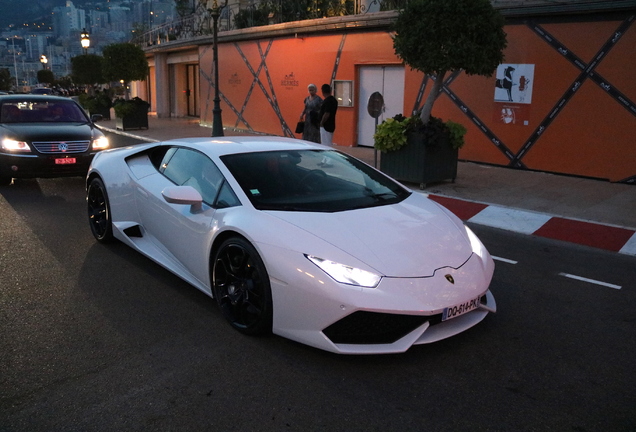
{"points": [[236, 16], [265, 12]]}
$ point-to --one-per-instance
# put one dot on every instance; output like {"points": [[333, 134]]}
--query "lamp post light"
{"points": [[44, 61], [85, 40], [217, 121]]}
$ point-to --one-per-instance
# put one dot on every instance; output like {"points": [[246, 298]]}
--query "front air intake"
{"points": [[370, 328]]}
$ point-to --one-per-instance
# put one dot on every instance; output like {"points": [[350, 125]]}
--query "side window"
{"points": [[227, 198], [159, 157], [191, 168]]}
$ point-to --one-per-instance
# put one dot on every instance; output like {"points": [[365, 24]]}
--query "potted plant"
{"points": [[437, 37], [418, 153], [131, 114], [98, 104]]}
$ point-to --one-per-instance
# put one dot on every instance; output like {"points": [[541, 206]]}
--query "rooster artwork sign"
{"points": [[513, 93]]}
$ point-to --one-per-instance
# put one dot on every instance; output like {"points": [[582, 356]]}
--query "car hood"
{"points": [[410, 239], [50, 131]]}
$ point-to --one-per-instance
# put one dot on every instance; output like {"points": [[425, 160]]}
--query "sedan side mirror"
{"points": [[186, 195], [97, 117]]}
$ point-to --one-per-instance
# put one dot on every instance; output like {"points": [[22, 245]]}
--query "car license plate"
{"points": [[460, 309], [65, 161]]}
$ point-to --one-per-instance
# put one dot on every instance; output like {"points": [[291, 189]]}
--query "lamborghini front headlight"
{"points": [[346, 274]]}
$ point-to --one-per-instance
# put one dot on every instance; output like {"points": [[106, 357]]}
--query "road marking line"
{"points": [[629, 248], [506, 260], [521, 221], [593, 281]]}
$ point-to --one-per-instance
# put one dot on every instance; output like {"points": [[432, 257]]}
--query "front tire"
{"points": [[241, 287], [99, 216]]}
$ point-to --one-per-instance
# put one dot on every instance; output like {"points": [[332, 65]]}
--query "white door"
{"points": [[389, 81]]}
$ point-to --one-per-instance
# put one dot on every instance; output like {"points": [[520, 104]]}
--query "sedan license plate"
{"points": [[65, 161], [460, 309]]}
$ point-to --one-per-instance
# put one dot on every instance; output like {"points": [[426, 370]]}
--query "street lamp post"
{"points": [[44, 61], [217, 121], [85, 40]]}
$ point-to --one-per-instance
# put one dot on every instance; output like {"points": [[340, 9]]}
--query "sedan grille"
{"points": [[57, 147]]}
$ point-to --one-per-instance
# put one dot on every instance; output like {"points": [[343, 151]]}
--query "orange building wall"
{"points": [[263, 84]]}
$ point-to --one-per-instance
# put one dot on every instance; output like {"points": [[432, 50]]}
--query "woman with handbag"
{"points": [[310, 117]]}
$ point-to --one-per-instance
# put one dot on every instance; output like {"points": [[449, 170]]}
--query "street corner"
{"points": [[586, 233]]}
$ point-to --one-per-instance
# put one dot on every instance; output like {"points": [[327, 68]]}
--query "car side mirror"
{"points": [[97, 117], [186, 195]]}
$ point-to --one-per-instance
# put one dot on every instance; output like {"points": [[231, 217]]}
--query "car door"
{"points": [[182, 232]]}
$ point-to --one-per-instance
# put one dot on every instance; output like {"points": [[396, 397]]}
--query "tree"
{"points": [[440, 36], [183, 8], [124, 61], [88, 69], [6, 81], [45, 76]]}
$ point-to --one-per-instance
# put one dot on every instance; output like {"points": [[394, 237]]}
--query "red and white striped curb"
{"points": [[607, 237]]}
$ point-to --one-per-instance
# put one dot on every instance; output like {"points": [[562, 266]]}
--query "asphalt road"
{"points": [[99, 338]]}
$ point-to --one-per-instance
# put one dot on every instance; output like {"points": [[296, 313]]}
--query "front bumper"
{"points": [[312, 308], [40, 166]]}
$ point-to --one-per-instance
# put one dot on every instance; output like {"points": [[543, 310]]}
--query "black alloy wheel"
{"points": [[241, 287], [99, 211]]}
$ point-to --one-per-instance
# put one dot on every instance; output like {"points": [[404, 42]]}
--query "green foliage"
{"points": [[6, 81], [183, 8], [456, 134], [124, 107], [88, 69], [246, 18], [95, 104], [45, 76], [65, 82], [124, 61], [291, 10], [391, 134], [436, 36]]}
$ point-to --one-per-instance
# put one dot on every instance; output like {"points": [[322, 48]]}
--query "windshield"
{"points": [[36, 111], [311, 180]]}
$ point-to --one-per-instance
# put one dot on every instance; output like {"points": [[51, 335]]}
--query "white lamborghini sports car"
{"points": [[297, 239]]}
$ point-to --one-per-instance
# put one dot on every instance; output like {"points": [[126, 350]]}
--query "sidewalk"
{"points": [[589, 212]]}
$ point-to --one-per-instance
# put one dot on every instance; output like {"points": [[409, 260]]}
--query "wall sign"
{"points": [[513, 93]]}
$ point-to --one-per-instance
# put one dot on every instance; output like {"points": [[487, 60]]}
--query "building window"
{"points": [[343, 92]]}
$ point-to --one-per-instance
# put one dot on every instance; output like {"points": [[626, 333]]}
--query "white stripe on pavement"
{"points": [[510, 219], [629, 248], [592, 281], [506, 260]]}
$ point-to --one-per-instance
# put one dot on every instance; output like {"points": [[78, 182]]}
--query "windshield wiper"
{"points": [[385, 196]]}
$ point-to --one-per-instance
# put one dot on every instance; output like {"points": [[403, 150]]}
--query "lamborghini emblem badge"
{"points": [[450, 278]]}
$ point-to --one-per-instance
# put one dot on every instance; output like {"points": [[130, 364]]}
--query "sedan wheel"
{"points": [[241, 287], [99, 211]]}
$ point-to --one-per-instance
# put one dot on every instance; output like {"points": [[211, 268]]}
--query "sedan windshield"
{"points": [[35, 111], [311, 180]]}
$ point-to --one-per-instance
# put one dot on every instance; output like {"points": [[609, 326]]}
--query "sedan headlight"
{"points": [[100, 143], [346, 274], [11, 145]]}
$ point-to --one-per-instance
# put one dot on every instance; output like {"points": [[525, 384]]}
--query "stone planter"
{"points": [[421, 163], [135, 120], [105, 112]]}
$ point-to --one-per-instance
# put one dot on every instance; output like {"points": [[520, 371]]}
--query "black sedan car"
{"points": [[46, 136]]}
